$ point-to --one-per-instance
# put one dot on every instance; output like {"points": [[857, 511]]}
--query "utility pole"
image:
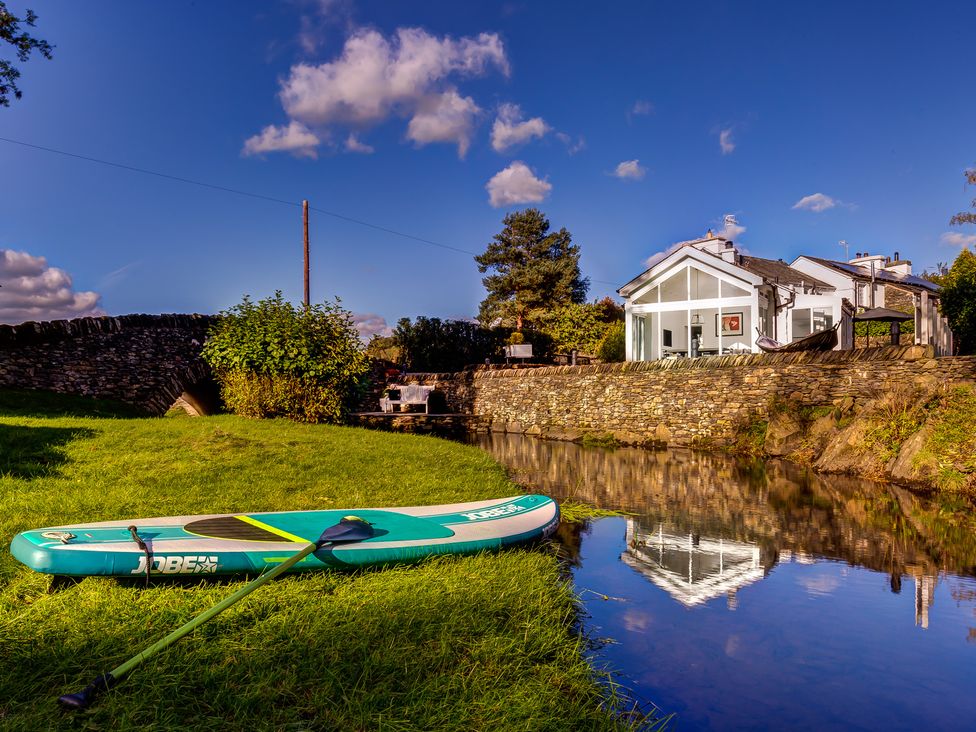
{"points": [[305, 229]]}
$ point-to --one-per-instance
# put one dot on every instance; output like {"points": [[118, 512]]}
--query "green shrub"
{"points": [[581, 326], [273, 359], [613, 347]]}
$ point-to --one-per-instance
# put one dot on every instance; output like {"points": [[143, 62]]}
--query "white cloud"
{"points": [[630, 170], [509, 130], [294, 138], [354, 144], [446, 117], [958, 239], [641, 107], [726, 142], [374, 78], [31, 290], [571, 147], [731, 229], [816, 202], [658, 256], [516, 184], [369, 325]]}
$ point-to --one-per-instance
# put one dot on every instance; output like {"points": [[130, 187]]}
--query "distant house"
{"points": [[707, 298]]}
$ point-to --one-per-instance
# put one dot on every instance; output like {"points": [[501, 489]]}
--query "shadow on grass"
{"points": [[36, 452], [36, 403]]}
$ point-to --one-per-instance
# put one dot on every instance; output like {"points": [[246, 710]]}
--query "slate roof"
{"points": [[780, 272], [864, 274]]}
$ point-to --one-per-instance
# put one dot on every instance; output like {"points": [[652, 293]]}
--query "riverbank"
{"points": [[920, 436], [484, 642]]}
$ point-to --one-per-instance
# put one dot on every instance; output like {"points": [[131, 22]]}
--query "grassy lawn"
{"points": [[474, 643]]}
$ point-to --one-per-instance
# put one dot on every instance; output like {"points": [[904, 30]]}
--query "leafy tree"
{"points": [[958, 301], [532, 270], [273, 359], [24, 43], [966, 217], [432, 344]]}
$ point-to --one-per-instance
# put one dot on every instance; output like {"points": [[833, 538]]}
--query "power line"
{"points": [[249, 194]]}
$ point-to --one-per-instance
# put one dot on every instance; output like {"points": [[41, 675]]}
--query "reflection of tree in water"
{"points": [[780, 507]]}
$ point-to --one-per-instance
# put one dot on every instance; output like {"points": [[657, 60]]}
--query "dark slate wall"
{"points": [[145, 360]]}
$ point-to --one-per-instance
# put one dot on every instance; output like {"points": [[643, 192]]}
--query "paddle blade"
{"points": [[84, 698], [350, 528]]}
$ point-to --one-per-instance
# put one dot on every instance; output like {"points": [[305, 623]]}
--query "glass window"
{"points": [[730, 290], [801, 323], [703, 285], [649, 296], [675, 287], [822, 320]]}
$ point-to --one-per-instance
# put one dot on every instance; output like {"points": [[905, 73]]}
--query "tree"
{"points": [[958, 301], [24, 44], [966, 217], [533, 270]]}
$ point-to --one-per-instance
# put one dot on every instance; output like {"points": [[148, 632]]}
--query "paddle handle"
{"points": [[85, 697]]}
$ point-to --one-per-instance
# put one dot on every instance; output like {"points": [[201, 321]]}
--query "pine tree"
{"points": [[532, 271]]}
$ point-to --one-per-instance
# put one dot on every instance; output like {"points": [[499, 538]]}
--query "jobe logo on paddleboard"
{"points": [[179, 565], [493, 512]]}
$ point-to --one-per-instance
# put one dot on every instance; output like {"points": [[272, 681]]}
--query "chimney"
{"points": [[896, 256], [708, 234]]}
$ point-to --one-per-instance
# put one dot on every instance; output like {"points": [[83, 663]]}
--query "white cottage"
{"points": [[705, 298]]}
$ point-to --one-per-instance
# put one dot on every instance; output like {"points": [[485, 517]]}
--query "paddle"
{"points": [[350, 528]]}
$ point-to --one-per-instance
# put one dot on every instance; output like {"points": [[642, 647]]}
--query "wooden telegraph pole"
{"points": [[305, 228]]}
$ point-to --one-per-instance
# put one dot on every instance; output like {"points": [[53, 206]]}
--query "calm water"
{"points": [[764, 597]]}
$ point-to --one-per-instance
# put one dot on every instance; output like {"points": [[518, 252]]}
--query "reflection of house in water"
{"points": [[692, 569]]}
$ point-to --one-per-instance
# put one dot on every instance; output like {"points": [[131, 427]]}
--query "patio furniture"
{"points": [[406, 394]]}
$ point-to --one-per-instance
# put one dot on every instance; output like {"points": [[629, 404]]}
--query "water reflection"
{"points": [[777, 508], [762, 596], [691, 568]]}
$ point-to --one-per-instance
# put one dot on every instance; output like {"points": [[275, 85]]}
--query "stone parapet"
{"points": [[144, 360], [686, 401]]}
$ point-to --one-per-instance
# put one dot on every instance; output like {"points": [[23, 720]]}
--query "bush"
{"points": [[272, 359], [613, 347], [581, 326]]}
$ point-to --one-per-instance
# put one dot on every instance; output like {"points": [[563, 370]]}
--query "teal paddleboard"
{"points": [[252, 542]]}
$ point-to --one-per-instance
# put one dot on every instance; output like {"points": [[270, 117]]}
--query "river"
{"points": [[748, 595]]}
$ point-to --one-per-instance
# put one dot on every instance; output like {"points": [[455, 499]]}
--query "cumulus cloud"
{"points": [[293, 137], [572, 146], [958, 239], [731, 229], [354, 144], [816, 202], [725, 141], [369, 325], [446, 117], [630, 170], [407, 75], [31, 290], [516, 184], [641, 107], [510, 130]]}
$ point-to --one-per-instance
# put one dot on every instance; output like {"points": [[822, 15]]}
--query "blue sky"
{"points": [[399, 114]]}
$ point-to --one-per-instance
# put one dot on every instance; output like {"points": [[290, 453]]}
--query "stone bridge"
{"points": [[148, 361]]}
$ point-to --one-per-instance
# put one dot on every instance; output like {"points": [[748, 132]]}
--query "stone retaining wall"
{"points": [[684, 401], [145, 360]]}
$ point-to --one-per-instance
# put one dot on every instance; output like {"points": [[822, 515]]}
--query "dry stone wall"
{"points": [[684, 401], [145, 360]]}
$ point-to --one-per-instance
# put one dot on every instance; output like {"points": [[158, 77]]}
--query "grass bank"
{"points": [[474, 643]]}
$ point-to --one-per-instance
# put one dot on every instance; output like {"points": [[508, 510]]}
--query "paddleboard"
{"points": [[252, 542]]}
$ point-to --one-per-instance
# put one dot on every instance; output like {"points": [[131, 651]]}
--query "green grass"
{"points": [[472, 643], [952, 443]]}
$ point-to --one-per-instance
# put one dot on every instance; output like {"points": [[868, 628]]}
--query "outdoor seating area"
{"points": [[406, 394]]}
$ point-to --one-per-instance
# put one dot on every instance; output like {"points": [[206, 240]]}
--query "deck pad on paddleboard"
{"points": [[249, 542]]}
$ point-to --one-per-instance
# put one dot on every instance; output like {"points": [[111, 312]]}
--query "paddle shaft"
{"points": [[122, 670]]}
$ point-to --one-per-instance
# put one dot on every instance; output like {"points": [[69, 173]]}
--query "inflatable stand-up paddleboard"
{"points": [[253, 542]]}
